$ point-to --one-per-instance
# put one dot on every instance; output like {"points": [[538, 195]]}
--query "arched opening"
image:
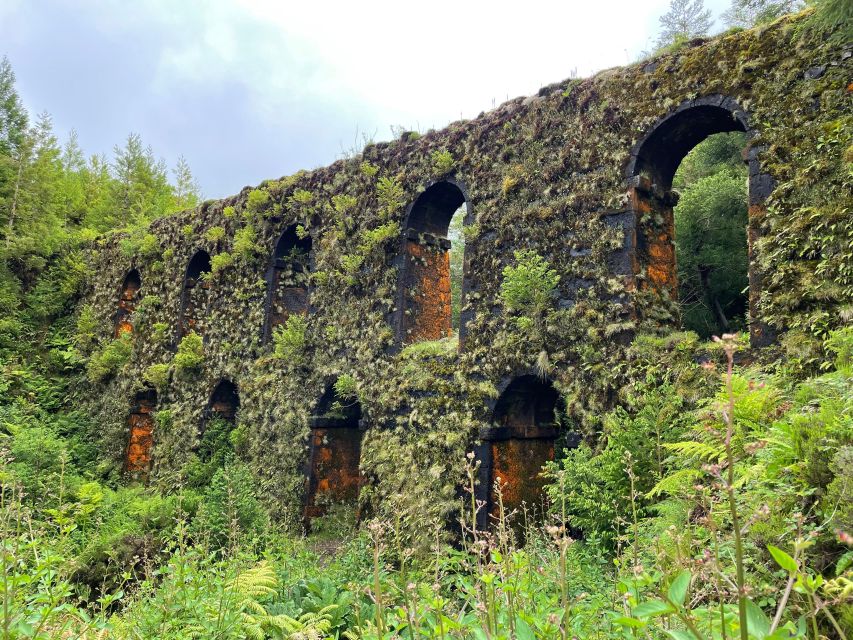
{"points": [[288, 279], [196, 295], [225, 401], [521, 439], [652, 172], [427, 285], [128, 300], [140, 435], [215, 446], [334, 477]]}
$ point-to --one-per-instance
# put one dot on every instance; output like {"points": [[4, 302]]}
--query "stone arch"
{"points": [[424, 303], [288, 279], [195, 295], [333, 468], [650, 171], [128, 299], [519, 440], [140, 435]]}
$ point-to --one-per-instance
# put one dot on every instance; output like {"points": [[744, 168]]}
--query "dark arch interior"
{"points": [[521, 440], [434, 209], [653, 168], [195, 295], [290, 246], [127, 302], [225, 401], [661, 153], [333, 407], [288, 279], [132, 282], [333, 476], [199, 265], [528, 402]]}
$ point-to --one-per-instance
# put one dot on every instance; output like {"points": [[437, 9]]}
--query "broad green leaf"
{"points": [[652, 608], [523, 630], [757, 623], [782, 559], [679, 634], [678, 588], [629, 622]]}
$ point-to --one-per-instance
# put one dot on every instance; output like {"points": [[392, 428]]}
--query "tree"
{"points": [[13, 116], [457, 262], [685, 19], [748, 13], [187, 191], [710, 234]]}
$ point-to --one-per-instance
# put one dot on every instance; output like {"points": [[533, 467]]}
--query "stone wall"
{"points": [[580, 173]]}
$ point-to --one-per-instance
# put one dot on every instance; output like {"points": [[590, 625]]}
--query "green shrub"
{"points": [[228, 212], [343, 203], [230, 511], [289, 339], [157, 375], [110, 359], [391, 195], [220, 262], [215, 234], [190, 355], [245, 243], [257, 201], [372, 238], [368, 169], [160, 333], [442, 161], [530, 287], [187, 230]]}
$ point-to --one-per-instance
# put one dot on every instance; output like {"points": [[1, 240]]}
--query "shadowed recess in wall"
{"points": [[333, 475]]}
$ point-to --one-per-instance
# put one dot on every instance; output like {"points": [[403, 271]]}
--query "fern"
{"points": [[698, 450], [674, 483]]}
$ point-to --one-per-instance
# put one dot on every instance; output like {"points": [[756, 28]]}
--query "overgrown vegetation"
{"points": [[714, 502]]}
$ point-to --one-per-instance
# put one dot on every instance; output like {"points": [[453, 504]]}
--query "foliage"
{"points": [[190, 355], [390, 194], [684, 20], [110, 359], [710, 232], [289, 339], [442, 161], [748, 13], [220, 262], [215, 234], [157, 375], [529, 287]]}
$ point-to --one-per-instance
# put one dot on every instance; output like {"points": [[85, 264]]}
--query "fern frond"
{"points": [[674, 483], [698, 450]]}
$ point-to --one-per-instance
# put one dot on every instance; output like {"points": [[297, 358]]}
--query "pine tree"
{"points": [[685, 19], [13, 116], [187, 192]]}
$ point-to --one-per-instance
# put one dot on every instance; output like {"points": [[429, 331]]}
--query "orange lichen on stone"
{"points": [[517, 465], [141, 439], [334, 475], [428, 294]]}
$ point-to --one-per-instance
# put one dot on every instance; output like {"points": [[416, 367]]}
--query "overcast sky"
{"points": [[247, 90]]}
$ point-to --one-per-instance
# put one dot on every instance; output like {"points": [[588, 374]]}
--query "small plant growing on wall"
{"points": [[220, 262], [190, 355], [442, 161], [529, 287], [215, 234], [157, 375], [289, 339], [108, 361]]}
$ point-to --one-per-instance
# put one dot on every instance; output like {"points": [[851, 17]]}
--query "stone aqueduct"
{"points": [[581, 173]]}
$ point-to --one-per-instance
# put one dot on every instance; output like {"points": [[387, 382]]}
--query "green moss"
{"points": [[110, 359]]}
